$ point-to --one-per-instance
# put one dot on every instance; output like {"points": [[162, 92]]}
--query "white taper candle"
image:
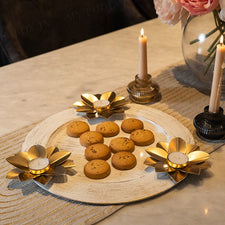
{"points": [[143, 67], [214, 101]]}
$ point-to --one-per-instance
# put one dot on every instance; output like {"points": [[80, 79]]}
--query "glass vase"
{"points": [[196, 42]]}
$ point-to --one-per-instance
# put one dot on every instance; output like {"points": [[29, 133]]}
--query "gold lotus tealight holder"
{"points": [[177, 159], [39, 164], [104, 105]]}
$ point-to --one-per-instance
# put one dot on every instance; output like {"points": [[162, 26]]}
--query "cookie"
{"points": [[97, 151], [142, 137], [76, 128], [131, 124], [97, 169], [124, 161], [90, 138], [121, 144], [108, 129]]}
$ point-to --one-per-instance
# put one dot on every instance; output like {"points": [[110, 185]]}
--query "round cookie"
{"points": [[131, 124], [97, 169], [90, 138], [97, 151], [124, 161], [108, 128], [76, 128], [142, 137], [121, 144]]}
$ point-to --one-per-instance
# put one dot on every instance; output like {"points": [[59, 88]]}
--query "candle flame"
{"points": [[221, 39], [206, 211], [142, 32]]}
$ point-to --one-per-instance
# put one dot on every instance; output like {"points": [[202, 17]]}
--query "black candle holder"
{"points": [[210, 126], [143, 91]]}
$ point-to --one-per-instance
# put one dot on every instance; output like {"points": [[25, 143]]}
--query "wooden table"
{"points": [[36, 88]]}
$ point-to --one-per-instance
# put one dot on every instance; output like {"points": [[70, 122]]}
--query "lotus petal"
{"points": [[89, 99], [18, 162], [163, 145], [197, 157], [59, 170], [14, 173], [117, 110], [204, 165], [191, 148], [86, 109], [37, 151], [157, 153], [177, 145], [177, 176], [56, 171], [68, 164], [43, 179], [70, 171], [192, 169], [119, 98], [78, 103], [58, 158], [163, 167], [110, 96], [106, 113], [51, 150], [150, 162], [27, 176], [98, 96], [91, 115], [119, 103], [24, 155]]}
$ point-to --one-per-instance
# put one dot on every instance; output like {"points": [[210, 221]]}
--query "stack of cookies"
{"points": [[97, 152]]}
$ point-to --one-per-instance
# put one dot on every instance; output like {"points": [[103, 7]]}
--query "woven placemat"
{"points": [[26, 203]]}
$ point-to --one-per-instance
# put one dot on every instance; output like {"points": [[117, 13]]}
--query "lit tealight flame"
{"points": [[165, 166], [221, 39], [142, 32], [206, 211]]}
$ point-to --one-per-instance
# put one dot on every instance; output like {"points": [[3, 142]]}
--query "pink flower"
{"points": [[222, 12], [169, 11], [199, 7]]}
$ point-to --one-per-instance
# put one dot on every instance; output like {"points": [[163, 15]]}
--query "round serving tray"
{"points": [[120, 186]]}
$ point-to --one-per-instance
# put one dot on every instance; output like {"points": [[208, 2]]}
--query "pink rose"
{"points": [[222, 12], [199, 7], [171, 12]]}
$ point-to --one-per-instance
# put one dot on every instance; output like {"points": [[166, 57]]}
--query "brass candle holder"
{"points": [[143, 91]]}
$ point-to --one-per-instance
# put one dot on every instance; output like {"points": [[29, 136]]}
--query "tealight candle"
{"points": [[39, 165], [143, 71], [177, 159], [214, 101], [101, 103]]}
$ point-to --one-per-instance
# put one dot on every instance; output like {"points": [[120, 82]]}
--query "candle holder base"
{"points": [[210, 126], [143, 91]]}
